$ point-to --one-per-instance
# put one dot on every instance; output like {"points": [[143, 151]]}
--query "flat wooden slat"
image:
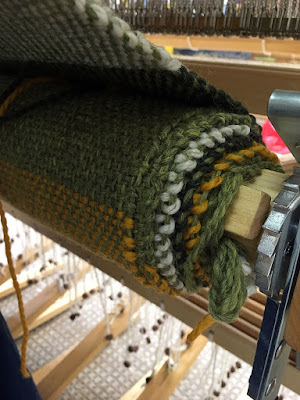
{"points": [[68, 367], [31, 255], [270, 182], [163, 383], [7, 288], [34, 308], [58, 307], [42, 372]]}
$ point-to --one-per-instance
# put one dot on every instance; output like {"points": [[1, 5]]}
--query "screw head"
{"points": [[270, 387], [280, 349]]}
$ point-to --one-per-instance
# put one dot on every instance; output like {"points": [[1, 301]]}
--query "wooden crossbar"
{"points": [[31, 255], [163, 383], [51, 381]]}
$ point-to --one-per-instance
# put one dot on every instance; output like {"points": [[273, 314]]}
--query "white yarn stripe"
{"points": [[111, 26], [186, 162]]}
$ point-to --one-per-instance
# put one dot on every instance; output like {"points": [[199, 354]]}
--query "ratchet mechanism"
{"points": [[278, 264]]}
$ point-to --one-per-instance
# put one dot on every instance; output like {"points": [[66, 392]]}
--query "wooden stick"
{"points": [[58, 307], [163, 383], [248, 213], [255, 306], [36, 307], [255, 199], [269, 182], [42, 372], [8, 288], [64, 371], [30, 256], [259, 297]]}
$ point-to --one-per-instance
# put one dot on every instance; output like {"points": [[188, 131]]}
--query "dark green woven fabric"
{"points": [[135, 157]]}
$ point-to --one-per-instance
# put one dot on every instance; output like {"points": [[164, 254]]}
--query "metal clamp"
{"points": [[278, 267], [278, 260], [276, 239]]}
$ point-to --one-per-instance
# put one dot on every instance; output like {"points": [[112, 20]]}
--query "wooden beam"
{"points": [[55, 381], [163, 383]]}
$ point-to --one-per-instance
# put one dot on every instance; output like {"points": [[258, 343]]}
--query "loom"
{"points": [[82, 95], [245, 18]]}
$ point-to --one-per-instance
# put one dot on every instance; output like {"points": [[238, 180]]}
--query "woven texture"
{"points": [[142, 176]]}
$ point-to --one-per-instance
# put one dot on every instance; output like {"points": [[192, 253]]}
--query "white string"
{"points": [[27, 241], [44, 258], [108, 332], [75, 267], [68, 279], [158, 349], [212, 386]]}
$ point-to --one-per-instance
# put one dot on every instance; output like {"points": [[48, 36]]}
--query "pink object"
{"points": [[272, 140]]}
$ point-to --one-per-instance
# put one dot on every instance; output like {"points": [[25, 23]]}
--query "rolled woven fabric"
{"points": [[132, 156]]}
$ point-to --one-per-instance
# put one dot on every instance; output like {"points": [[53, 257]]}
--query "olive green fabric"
{"points": [[133, 157]]}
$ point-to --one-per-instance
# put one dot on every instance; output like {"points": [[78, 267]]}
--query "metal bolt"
{"points": [[270, 387], [280, 349]]}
